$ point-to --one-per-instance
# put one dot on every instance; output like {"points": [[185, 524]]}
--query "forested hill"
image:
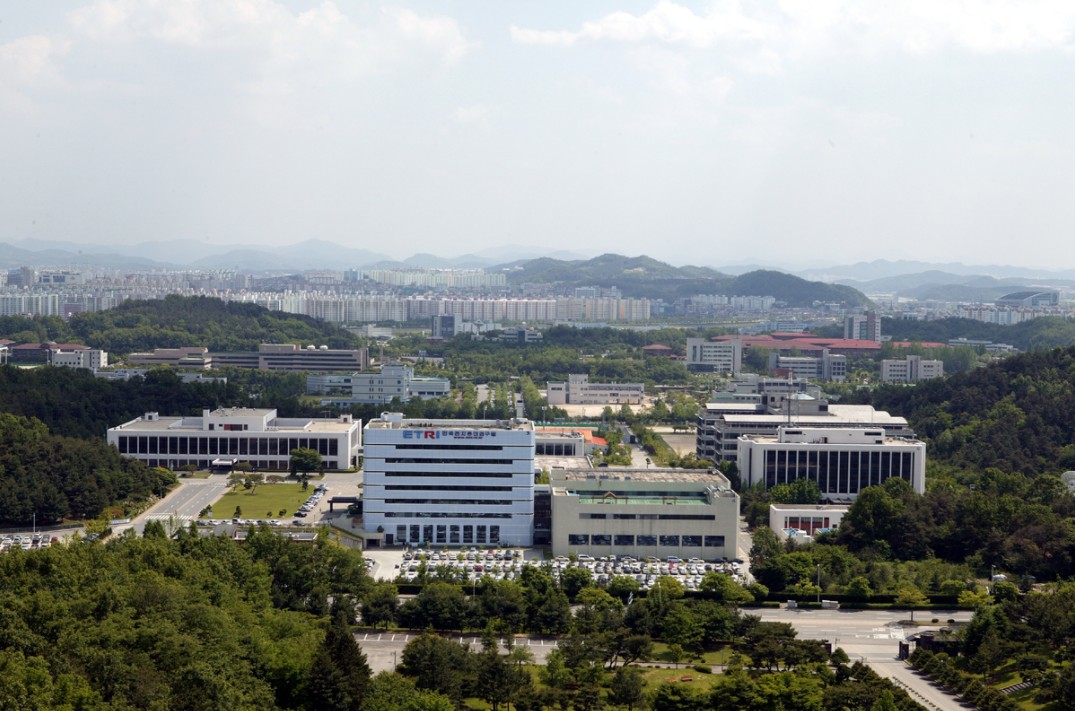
{"points": [[1030, 335], [174, 321], [1017, 415], [650, 278]]}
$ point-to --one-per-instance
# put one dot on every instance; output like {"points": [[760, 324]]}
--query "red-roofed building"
{"points": [[658, 350], [41, 352]]}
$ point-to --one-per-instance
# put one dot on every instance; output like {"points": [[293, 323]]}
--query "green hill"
{"points": [[176, 321], [1017, 415], [649, 278]]}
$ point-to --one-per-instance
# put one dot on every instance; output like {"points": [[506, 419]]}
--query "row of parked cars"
{"points": [[26, 541], [646, 571], [508, 564], [312, 502]]}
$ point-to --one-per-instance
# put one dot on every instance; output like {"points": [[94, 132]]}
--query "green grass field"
{"points": [[263, 501]]}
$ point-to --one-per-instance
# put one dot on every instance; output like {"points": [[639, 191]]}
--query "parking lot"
{"points": [[27, 541], [472, 564]]}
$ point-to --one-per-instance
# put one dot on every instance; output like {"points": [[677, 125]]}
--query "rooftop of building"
{"points": [[395, 421], [836, 415], [174, 423], [655, 475], [809, 507]]}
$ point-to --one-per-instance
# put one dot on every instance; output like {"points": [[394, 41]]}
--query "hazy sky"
{"points": [[785, 132]]}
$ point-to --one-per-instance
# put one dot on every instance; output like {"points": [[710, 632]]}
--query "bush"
{"points": [[703, 668]]}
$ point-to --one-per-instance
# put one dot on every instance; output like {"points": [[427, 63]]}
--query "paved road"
{"points": [[873, 636], [384, 649], [182, 505]]}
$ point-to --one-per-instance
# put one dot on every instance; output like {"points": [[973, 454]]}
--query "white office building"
{"points": [[842, 461], [911, 369], [578, 390], [715, 356], [828, 366], [393, 381], [722, 423], [449, 482], [242, 434], [87, 358]]}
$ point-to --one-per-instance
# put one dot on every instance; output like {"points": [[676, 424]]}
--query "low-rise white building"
{"points": [[644, 512], [449, 482], [578, 390], [393, 381], [911, 369], [842, 461], [251, 435], [716, 356], [802, 522], [88, 358]]}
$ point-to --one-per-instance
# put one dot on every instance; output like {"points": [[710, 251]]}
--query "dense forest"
{"points": [[1031, 335], [1017, 414], [174, 321], [54, 477], [198, 623]]}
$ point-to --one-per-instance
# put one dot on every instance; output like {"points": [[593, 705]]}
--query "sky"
{"points": [[781, 132]]}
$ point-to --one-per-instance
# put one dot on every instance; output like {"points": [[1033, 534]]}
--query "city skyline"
{"points": [[780, 133]]}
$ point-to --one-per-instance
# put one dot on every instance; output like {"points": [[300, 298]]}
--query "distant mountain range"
{"points": [[529, 263], [194, 254]]}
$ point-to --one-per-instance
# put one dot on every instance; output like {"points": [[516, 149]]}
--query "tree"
{"points": [[339, 674], [390, 691], [437, 664], [859, 588], [305, 460], [910, 597], [380, 605], [628, 687], [721, 587]]}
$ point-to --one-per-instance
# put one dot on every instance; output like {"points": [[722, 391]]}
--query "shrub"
{"points": [[703, 668]]}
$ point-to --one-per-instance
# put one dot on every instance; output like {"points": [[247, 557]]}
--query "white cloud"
{"points": [[26, 63], [793, 26]]}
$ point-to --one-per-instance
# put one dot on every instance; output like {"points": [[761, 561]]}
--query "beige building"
{"points": [[802, 522], [644, 512]]}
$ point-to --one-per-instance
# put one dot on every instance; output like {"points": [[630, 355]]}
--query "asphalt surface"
{"points": [[873, 637]]}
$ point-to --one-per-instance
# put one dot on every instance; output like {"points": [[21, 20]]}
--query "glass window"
{"points": [[669, 540], [578, 539], [622, 539], [692, 540], [714, 541], [645, 540], [601, 539]]}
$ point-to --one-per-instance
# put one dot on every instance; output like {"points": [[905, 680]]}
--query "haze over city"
{"points": [[779, 133]]}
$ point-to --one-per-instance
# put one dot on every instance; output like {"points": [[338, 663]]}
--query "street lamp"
{"points": [[819, 583], [992, 578]]}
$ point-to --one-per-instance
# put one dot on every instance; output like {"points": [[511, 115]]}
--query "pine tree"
{"points": [[340, 674]]}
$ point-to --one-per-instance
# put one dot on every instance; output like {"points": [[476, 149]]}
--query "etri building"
{"points": [[449, 482], [644, 512]]}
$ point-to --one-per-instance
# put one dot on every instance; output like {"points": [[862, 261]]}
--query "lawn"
{"points": [[263, 501]]}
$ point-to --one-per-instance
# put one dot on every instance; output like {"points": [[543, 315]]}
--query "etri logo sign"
{"points": [[447, 434]]}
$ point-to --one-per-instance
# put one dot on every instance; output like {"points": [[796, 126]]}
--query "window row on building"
{"points": [[448, 534], [240, 446], [644, 539]]}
